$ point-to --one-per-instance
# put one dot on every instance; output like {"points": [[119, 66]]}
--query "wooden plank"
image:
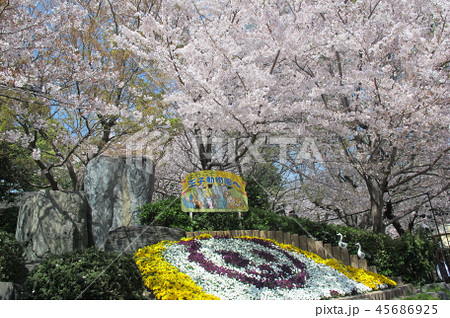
{"points": [[248, 232], [227, 233], [345, 256], [303, 241], [319, 249], [363, 264], [328, 250], [213, 233], [279, 236], [311, 245], [263, 234], [271, 235], [295, 241], [189, 234], [373, 269], [287, 238], [256, 233], [336, 252], [354, 261]]}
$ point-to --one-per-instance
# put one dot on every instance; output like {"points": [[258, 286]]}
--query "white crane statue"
{"points": [[360, 253], [340, 243]]}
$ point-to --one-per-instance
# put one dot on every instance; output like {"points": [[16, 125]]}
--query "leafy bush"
{"points": [[165, 213], [85, 274], [8, 220], [168, 213], [12, 261], [417, 257]]}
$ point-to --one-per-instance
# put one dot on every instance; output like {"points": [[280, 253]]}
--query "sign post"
{"points": [[213, 191]]}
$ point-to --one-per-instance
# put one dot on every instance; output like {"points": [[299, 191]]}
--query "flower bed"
{"points": [[245, 267]]}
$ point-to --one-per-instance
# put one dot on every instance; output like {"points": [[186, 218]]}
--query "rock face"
{"points": [[52, 222], [115, 188], [129, 239], [10, 291]]}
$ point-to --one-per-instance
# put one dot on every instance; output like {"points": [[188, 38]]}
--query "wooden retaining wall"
{"points": [[300, 241]]}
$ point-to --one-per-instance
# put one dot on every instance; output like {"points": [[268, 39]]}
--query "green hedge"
{"points": [[410, 256], [12, 261], [8, 219], [85, 274]]}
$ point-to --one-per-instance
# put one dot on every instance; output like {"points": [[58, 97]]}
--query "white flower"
{"points": [[322, 279], [36, 154]]}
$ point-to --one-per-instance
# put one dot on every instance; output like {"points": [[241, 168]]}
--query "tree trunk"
{"points": [[390, 215], [48, 175], [204, 150], [376, 204]]}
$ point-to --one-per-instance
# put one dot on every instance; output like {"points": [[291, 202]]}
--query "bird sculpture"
{"points": [[340, 243], [360, 253]]}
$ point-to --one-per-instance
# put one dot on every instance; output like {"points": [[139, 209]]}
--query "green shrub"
{"points": [[8, 220], [12, 261], [85, 274], [417, 257], [164, 213], [168, 213]]}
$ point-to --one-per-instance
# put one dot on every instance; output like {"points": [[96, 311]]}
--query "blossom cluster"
{"points": [[246, 267]]}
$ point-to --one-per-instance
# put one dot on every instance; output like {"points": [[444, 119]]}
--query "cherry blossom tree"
{"points": [[368, 81], [67, 92]]}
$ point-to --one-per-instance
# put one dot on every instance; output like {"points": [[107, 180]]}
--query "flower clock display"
{"points": [[245, 267]]}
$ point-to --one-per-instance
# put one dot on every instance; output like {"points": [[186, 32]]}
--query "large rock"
{"points": [[10, 291], [129, 239], [52, 222], [115, 187]]}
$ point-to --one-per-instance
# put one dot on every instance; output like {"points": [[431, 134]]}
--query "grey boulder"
{"points": [[115, 187], [52, 222], [129, 239], [10, 291]]}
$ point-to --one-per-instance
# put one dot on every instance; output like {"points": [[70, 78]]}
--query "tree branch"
{"points": [[274, 62]]}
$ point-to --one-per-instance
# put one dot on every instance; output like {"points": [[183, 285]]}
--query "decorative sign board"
{"points": [[213, 191]]}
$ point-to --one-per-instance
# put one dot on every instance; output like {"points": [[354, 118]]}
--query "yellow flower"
{"points": [[165, 280]]}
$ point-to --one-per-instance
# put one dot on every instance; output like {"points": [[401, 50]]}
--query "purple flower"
{"points": [[234, 258], [334, 293], [264, 276], [264, 255]]}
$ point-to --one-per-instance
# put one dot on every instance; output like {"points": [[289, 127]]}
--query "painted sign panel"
{"points": [[213, 191]]}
